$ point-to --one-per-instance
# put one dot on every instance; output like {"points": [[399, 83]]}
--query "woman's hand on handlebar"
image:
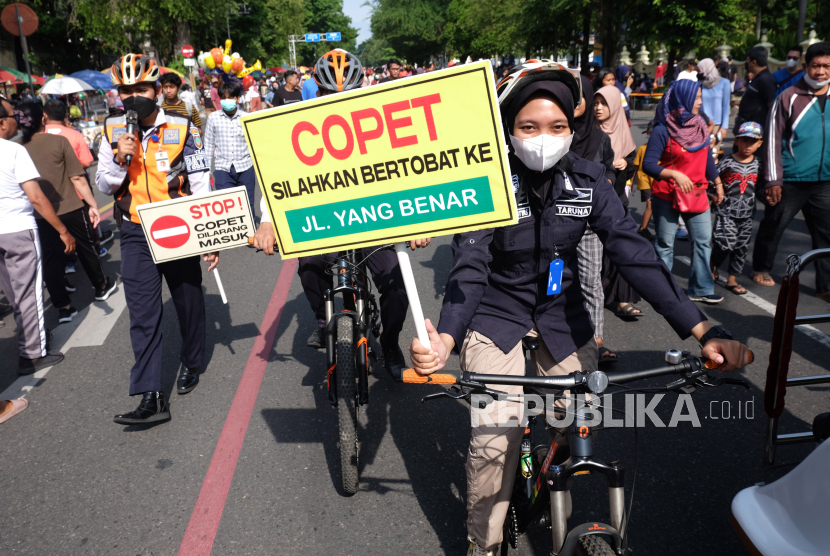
{"points": [[428, 359], [264, 238], [419, 242], [730, 354]]}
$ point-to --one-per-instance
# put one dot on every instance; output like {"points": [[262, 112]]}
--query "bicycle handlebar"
{"points": [[410, 376]]}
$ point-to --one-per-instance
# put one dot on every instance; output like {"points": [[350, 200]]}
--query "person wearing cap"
{"points": [[523, 280], [167, 162], [734, 214]]}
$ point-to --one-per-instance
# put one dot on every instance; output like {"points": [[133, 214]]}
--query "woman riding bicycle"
{"points": [[497, 291]]}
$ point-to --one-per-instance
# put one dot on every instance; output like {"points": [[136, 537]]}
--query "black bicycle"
{"points": [[532, 505], [348, 353]]}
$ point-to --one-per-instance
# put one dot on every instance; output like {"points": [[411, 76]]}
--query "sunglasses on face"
{"points": [[796, 58], [16, 116]]}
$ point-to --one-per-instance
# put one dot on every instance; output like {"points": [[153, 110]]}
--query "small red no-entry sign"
{"points": [[187, 51], [170, 232]]}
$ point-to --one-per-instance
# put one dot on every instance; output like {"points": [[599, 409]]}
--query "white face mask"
{"points": [[815, 84], [791, 63], [542, 152]]}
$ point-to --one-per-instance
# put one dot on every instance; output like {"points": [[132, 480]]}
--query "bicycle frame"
{"points": [[352, 286]]}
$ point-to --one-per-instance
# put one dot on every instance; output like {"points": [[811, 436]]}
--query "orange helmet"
{"points": [[134, 68], [337, 71]]}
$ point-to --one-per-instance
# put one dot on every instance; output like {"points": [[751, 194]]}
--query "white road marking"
{"points": [[807, 329], [90, 327], [169, 232]]}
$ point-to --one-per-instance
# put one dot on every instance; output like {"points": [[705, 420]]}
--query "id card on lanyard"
{"points": [[555, 273]]}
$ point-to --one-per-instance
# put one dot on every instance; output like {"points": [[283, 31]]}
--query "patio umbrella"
{"points": [[65, 86], [95, 78]]}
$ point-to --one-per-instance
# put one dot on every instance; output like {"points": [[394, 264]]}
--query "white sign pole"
{"points": [[219, 285], [412, 293]]}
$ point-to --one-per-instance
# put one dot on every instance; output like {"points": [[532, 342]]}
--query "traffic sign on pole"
{"points": [[187, 51], [332, 37], [312, 37]]}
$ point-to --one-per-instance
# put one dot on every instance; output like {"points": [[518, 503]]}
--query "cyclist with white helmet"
{"points": [[523, 280], [335, 72], [167, 161]]}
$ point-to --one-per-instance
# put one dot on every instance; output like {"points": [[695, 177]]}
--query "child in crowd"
{"points": [[644, 185], [734, 214]]}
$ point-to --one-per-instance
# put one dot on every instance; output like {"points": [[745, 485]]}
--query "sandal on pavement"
{"points": [[824, 296], [604, 356], [17, 406], [737, 289], [628, 310], [763, 279]]}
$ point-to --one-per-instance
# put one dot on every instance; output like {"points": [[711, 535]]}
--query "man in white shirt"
{"points": [[21, 272]]}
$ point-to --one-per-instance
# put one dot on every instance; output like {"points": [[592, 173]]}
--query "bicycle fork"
{"points": [[581, 462]]}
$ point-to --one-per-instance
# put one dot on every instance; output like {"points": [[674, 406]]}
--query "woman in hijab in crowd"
{"points": [[591, 143], [679, 159], [716, 95], [608, 111]]}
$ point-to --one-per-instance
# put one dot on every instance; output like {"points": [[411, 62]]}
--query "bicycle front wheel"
{"points": [[346, 404], [593, 545]]}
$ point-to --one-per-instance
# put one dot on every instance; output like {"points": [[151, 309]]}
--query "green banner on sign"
{"points": [[390, 210]]}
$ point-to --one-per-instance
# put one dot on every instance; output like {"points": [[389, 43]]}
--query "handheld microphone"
{"points": [[132, 120]]}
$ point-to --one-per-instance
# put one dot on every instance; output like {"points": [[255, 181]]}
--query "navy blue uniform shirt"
{"points": [[498, 283]]}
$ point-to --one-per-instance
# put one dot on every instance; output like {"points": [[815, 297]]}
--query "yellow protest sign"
{"points": [[422, 156], [194, 225]]}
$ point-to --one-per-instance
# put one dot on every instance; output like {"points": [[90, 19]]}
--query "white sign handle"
{"points": [[412, 293], [219, 285]]}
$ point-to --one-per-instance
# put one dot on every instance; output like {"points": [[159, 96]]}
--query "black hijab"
{"points": [[587, 135]]}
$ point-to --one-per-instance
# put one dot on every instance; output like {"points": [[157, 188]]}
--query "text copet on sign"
{"points": [[195, 225], [422, 156]]}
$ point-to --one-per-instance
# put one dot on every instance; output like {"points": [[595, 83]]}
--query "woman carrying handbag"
{"points": [[679, 159]]}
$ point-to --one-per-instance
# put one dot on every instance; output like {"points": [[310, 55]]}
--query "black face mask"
{"points": [[143, 106]]}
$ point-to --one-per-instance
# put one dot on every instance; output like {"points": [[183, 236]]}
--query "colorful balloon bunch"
{"points": [[221, 60]]}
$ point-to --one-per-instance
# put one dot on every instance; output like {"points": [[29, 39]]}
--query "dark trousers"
{"points": [[54, 259], [386, 274], [813, 198], [142, 288], [226, 180]]}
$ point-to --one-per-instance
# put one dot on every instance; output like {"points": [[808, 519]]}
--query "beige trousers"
{"points": [[494, 449]]}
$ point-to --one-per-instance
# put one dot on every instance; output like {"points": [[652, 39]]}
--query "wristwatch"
{"points": [[716, 332]]}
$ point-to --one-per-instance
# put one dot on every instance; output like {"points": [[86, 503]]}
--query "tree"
{"points": [[413, 28], [374, 52], [481, 28], [325, 16]]}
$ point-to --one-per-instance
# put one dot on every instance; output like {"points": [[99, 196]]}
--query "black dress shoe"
{"points": [[317, 340], [393, 359], [153, 407], [188, 379]]}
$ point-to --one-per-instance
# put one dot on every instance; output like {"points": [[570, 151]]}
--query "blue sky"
{"points": [[360, 17]]}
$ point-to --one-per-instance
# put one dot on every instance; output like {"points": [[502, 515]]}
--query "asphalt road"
{"points": [[73, 482]]}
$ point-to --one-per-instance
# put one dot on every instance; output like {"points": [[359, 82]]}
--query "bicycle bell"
{"points": [[597, 382], [674, 356]]}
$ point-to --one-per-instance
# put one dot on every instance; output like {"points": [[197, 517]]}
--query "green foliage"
{"points": [[482, 28], [325, 16], [374, 52], [413, 28]]}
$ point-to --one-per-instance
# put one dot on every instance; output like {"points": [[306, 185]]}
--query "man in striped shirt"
{"points": [[170, 85]]}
